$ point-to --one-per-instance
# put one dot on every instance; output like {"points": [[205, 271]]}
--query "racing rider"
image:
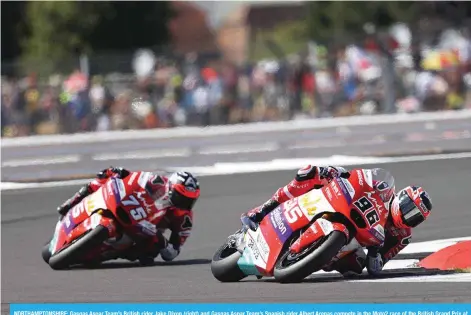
{"points": [[176, 195], [410, 207]]}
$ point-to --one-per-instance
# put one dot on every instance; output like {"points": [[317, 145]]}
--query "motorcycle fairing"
{"points": [[81, 218]]}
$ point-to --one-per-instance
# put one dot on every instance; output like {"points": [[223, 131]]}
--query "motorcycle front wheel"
{"points": [[224, 264], [71, 254], [292, 268], [45, 253]]}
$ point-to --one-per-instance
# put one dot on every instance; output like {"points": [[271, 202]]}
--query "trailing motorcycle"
{"points": [[98, 228], [306, 233]]}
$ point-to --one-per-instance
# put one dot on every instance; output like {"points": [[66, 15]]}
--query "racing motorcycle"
{"points": [[306, 233], [98, 228]]}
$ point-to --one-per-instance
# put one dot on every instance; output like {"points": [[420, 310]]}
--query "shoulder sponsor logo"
{"points": [[280, 225]]}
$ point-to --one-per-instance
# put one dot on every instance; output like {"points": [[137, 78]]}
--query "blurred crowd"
{"points": [[325, 82]]}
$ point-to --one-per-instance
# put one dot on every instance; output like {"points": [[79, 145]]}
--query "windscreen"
{"points": [[384, 182]]}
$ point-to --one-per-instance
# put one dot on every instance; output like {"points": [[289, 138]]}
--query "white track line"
{"points": [[267, 166], [13, 186], [143, 155], [335, 143], [42, 161], [291, 164], [239, 149], [318, 144]]}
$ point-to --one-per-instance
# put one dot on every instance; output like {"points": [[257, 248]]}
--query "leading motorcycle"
{"points": [[99, 227], [306, 233]]}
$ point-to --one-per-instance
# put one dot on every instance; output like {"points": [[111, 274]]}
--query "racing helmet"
{"points": [[411, 207], [183, 190]]}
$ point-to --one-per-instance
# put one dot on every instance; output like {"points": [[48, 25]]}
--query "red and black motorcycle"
{"points": [[98, 228], [306, 233]]}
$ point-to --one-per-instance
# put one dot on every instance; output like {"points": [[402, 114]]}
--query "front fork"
{"points": [[318, 229]]}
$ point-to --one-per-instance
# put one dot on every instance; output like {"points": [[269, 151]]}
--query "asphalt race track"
{"points": [[28, 221]]}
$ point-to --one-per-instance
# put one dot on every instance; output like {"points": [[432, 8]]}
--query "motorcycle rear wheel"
{"points": [[310, 260], [224, 264], [82, 246]]}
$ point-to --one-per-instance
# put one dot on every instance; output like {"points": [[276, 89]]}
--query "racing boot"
{"points": [[255, 216], [350, 266], [66, 206]]}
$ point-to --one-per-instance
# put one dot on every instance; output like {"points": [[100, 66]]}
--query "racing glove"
{"points": [[74, 200], [331, 172], [254, 216], [86, 190], [107, 172]]}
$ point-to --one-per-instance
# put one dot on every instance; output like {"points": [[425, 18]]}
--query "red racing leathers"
{"points": [[179, 222], [313, 177]]}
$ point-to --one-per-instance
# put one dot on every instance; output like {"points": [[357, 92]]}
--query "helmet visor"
{"points": [[181, 201], [411, 215]]}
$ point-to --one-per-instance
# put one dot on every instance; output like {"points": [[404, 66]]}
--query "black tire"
{"points": [[45, 253], [71, 254], [312, 259], [224, 264]]}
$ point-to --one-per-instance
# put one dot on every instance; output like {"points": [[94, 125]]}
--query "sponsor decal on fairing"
{"points": [[280, 225], [115, 190], [262, 246], [346, 193], [378, 232], [325, 226], [360, 177]]}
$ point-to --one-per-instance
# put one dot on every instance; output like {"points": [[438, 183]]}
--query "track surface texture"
{"points": [[26, 278]]}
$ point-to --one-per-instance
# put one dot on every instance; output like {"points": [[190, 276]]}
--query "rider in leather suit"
{"points": [[178, 193], [408, 208]]}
